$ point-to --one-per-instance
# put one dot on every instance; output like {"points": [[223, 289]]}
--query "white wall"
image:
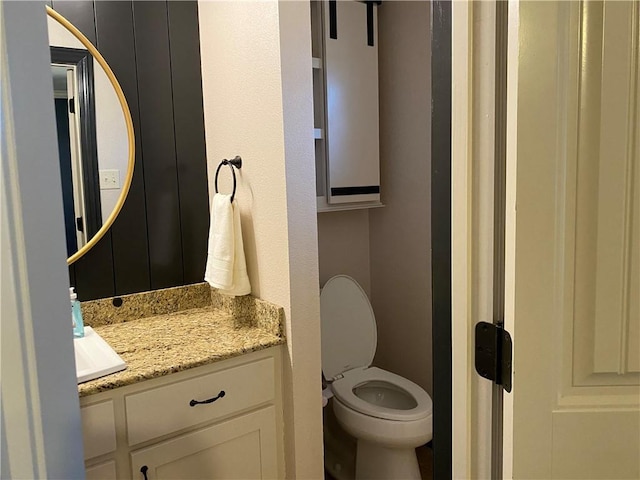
{"points": [[256, 67], [400, 233], [343, 246], [111, 129]]}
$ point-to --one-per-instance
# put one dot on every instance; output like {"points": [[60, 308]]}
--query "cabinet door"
{"points": [[98, 429], [102, 471], [241, 448], [352, 129]]}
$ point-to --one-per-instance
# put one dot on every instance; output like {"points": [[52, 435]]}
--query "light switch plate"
{"points": [[109, 179]]}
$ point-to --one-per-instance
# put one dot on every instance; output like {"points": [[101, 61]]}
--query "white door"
{"points": [[573, 241], [572, 266]]}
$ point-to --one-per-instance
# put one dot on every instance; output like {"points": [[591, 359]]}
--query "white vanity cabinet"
{"points": [[181, 426], [345, 50]]}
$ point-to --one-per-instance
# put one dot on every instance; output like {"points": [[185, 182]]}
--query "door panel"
{"points": [[576, 405], [590, 444], [607, 137]]}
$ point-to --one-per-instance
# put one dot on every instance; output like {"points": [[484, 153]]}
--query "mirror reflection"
{"points": [[75, 121], [93, 138]]}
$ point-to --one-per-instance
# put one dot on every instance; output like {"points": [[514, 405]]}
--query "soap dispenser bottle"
{"points": [[76, 315]]}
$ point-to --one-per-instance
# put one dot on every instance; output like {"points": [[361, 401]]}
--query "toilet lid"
{"points": [[348, 327]]}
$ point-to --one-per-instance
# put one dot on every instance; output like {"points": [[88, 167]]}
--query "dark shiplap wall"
{"points": [[159, 238]]}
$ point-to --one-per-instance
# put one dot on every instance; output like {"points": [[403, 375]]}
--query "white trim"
{"points": [[473, 159], [460, 233], [41, 431], [481, 235], [22, 425], [510, 223]]}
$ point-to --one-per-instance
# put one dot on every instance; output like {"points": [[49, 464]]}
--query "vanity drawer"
{"points": [[168, 408], [98, 429]]}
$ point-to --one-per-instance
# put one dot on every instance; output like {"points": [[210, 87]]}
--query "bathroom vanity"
{"points": [[200, 398]]}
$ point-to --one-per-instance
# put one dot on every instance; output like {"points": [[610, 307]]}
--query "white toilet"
{"points": [[388, 415]]}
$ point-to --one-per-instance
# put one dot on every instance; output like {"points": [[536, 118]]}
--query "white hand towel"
{"points": [[220, 252], [226, 264], [241, 285]]}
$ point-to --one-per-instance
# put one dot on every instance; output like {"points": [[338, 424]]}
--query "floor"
{"points": [[425, 462]]}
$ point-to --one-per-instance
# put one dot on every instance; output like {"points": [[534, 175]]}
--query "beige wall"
{"points": [[257, 99], [303, 325], [388, 250], [257, 88], [400, 233], [343, 246]]}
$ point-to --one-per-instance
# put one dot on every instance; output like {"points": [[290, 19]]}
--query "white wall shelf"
{"points": [[324, 207]]}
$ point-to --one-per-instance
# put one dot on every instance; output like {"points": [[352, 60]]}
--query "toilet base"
{"points": [[375, 461]]}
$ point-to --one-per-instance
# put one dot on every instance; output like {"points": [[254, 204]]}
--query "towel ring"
{"points": [[235, 162]]}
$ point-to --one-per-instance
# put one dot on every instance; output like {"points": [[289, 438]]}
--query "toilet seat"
{"points": [[343, 389], [349, 341]]}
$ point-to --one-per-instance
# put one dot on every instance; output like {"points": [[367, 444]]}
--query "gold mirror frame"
{"points": [[129, 123]]}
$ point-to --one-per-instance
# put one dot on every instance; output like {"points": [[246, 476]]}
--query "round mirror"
{"points": [[95, 136]]}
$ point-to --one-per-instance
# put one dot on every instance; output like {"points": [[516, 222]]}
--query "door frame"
{"points": [[460, 230], [40, 420], [476, 445], [441, 235], [85, 105]]}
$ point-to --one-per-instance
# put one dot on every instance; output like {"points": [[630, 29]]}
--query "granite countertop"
{"points": [[165, 343]]}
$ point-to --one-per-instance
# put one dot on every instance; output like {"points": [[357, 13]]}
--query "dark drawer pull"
{"points": [[193, 403], [144, 471]]}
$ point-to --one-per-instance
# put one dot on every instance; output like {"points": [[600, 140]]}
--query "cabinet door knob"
{"points": [[143, 470], [193, 403]]}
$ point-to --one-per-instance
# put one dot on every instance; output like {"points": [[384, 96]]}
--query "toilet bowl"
{"points": [[387, 414]]}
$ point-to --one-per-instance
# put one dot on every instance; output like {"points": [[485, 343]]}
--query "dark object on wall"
{"points": [[370, 26], [233, 164], [441, 234], [333, 20], [366, 190], [159, 238]]}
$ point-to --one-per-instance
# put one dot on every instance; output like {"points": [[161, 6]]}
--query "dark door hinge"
{"points": [[80, 224], [72, 105], [493, 354]]}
